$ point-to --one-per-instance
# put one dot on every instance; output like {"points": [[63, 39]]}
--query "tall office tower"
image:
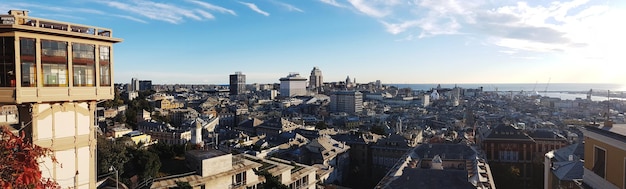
{"points": [[237, 83], [134, 84], [53, 73], [316, 79], [145, 85], [346, 101], [292, 85]]}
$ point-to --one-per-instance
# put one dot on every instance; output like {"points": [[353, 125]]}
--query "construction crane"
{"points": [[547, 84]]}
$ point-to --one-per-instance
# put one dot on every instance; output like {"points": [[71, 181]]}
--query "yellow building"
{"points": [[54, 73], [605, 156], [166, 104], [139, 137]]}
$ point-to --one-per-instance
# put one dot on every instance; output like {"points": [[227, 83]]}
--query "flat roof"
{"points": [[17, 22], [206, 154]]}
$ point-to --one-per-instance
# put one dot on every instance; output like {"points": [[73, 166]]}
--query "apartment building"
{"points": [[216, 169], [293, 85], [54, 73], [605, 156], [346, 101]]}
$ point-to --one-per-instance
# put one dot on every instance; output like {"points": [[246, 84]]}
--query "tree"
{"points": [[182, 185], [321, 125], [143, 163], [18, 166], [378, 130], [111, 153], [271, 181]]}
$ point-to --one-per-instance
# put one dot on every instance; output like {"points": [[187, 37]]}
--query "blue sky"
{"points": [[410, 41]]}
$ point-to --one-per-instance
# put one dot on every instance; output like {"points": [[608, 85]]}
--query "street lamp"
{"points": [[116, 176]]}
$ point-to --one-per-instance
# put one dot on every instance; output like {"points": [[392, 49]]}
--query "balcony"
{"points": [[19, 95]]}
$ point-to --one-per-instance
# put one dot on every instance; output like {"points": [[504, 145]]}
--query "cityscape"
{"points": [[69, 122]]}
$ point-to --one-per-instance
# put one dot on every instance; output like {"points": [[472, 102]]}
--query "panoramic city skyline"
{"points": [[202, 42]]}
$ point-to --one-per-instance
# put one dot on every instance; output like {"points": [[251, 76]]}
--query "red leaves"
{"points": [[18, 162]]}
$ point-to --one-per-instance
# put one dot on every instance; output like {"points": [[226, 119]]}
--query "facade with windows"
{"points": [[605, 156], [237, 83], [54, 73], [316, 79], [346, 101], [293, 85]]}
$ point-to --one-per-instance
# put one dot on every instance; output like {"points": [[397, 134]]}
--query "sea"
{"points": [[565, 91], [550, 87]]}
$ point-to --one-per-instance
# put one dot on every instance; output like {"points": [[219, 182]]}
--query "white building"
{"points": [[292, 85]]}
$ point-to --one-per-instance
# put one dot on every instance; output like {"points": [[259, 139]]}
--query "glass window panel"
{"points": [[7, 62], [599, 165], [54, 63], [105, 66], [28, 58], [83, 61]]}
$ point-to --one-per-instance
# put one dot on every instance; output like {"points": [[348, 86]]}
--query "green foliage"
{"points": [[164, 151], [127, 159], [321, 125], [143, 163], [111, 153], [117, 100], [271, 182], [506, 176], [378, 130], [160, 118], [182, 185]]}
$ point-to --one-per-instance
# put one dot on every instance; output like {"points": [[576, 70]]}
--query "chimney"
{"points": [[571, 157]]}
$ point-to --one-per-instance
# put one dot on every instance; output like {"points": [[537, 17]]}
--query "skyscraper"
{"points": [[134, 84], [316, 79], [53, 73], [237, 83]]}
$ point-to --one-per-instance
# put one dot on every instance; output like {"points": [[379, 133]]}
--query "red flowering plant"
{"points": [[19, 167]]}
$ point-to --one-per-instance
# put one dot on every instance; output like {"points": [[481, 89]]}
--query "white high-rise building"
{"points": [[292, 85], [316, 79]]}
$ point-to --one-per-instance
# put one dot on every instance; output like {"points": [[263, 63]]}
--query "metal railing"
{"points": [[54, 25]]}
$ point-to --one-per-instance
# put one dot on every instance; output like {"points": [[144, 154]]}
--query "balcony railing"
{"points": [[15, 20]]}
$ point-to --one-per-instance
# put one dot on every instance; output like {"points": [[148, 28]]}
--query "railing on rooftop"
{"points": [[16, 20]]}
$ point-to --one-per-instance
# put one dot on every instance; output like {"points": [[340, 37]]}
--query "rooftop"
{"points": [[205, 154], [617, 131], [20, 21], [431, 178]]}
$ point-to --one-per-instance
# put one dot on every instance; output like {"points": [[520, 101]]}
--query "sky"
{"points": [[395, 41]]}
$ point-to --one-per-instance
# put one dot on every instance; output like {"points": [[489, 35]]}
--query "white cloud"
{"points": [[213, 7], [156, 11], [400, 27], [564, 27], [205, 14], [333, 3], [368, 9], [130, 18], [255, 8], [289, 7]]}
